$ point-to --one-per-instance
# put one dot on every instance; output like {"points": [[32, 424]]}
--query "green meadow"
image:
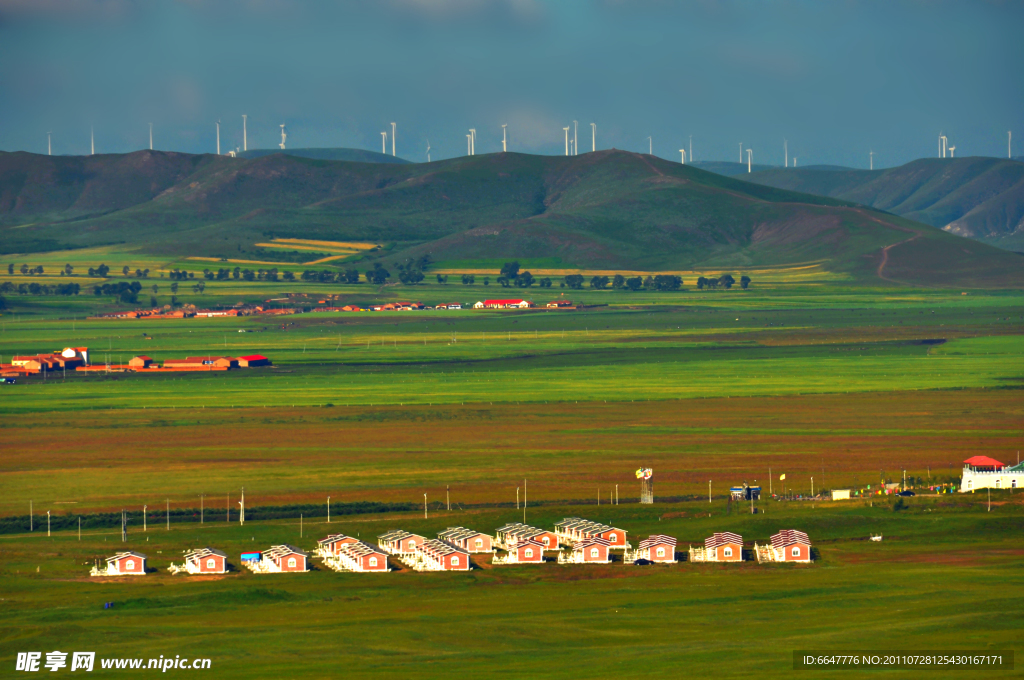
{"points": [[794, 376]]}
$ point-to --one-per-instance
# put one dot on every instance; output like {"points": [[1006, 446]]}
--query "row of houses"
{"points": [[577, 541], [77, 359], [188, 313]]}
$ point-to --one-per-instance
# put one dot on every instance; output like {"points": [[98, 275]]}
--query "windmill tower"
{"points": [[284, 137], [646, 485]]}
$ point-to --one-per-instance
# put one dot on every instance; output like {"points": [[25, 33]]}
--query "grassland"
{"points": [[842, 384]]}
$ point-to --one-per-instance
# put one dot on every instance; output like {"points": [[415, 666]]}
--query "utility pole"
{"points": [[812, 487], [30, 528], [328, 509], [517, 498], [447, 497], [144, 508], [241, 503], [709, 491], [48, 523], [616, 494], [424, 506], [524, 501]]}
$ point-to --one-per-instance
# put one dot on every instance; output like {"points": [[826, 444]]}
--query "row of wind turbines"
{"points": [[571, 145]]}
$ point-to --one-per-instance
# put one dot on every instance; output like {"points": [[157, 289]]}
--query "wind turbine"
{"points": [[245, 134], [469, 145], [683, 151], [785, 146], [741, 152], [428, 150], [284, 137], [392, 139], [750, 154], [575, 137], [650, 146], [92, 141], [871, 156], [384, 143], [566, 140], [150, 136], [218, 137], [794, 161], [472, 141], [943, 142], [593, 136], [504, 138], [49, 144], [951, 150]]}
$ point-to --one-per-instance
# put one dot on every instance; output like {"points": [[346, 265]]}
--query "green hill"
{"points": [[981, 198], [610, 209], [339, 154]]}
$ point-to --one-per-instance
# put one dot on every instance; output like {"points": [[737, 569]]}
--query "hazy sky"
{"points": [[834, 77]]}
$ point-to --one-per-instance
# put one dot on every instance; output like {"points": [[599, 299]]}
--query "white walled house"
{"points": [[982, 472], [127, 563]]}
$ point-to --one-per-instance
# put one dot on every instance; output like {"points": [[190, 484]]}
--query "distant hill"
{"points": [[609, 209], [356, 155], [728, 168], [980, 198]]}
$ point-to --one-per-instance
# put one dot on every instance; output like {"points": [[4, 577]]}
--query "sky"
{"points": [[835, 79]]}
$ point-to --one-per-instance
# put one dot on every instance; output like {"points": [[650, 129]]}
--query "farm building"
{"points": [[201, 362], [657, 548], [527, 551], [573, 529], [202, 561], [982, 472], [127, 563], [400, 542], [467, 539], [789, 545], [329, 547], [279, 559], [208, 313], [557, 304], [592, 550], [253, 360], [357, 556], [141, 361], [503, 304], [723, 546], [510, 535]]}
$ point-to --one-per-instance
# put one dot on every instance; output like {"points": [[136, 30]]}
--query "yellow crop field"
{"points": [[309, 244]]}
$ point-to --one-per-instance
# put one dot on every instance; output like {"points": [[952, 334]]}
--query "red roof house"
{"points": [[253, 360]]}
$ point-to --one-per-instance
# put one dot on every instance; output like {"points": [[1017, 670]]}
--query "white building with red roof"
{"points": [[503, 304], [398, 542], [435, 555], [510, 535], [467, 539], [279, 559], [982, 472], [573, 529], [330, 546]]}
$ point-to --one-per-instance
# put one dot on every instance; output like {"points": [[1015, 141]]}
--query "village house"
{"points": [[330, 546], [559, 304], [789, 545], [398, 542], [278, 559], [434, 555], [357, 556], [592, 550], [657, 548], [194, 363], [467, 539], [141, 361], [723, 546], [208, 313], [573, 529], [127, 563], [202, 561], [510, 535], [982, 472], [527, 551]]}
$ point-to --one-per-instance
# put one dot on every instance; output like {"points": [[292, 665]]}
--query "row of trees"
{"points": [[725, 281], [40, 289]]}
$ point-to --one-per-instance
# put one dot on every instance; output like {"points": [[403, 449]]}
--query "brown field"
{"points": [[108, 460]]}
